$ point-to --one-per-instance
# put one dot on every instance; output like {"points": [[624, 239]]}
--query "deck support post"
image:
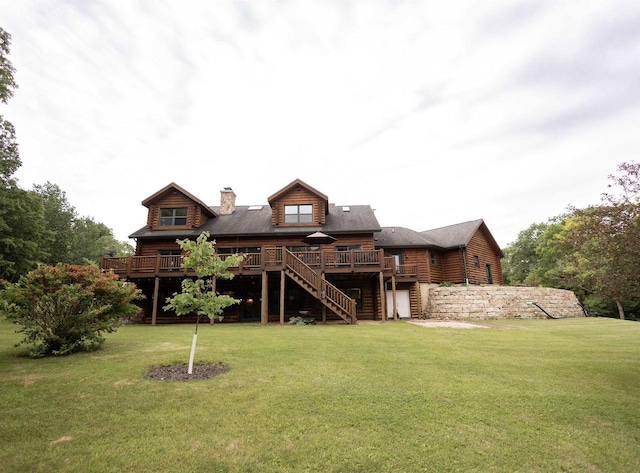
{"points": [[264, 306], [395, 300], [324, 307], [156, 290], [383, 297], [282, 286], [213, 290]]}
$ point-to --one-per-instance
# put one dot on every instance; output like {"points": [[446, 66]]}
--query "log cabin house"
{"points": [[357, 270]]}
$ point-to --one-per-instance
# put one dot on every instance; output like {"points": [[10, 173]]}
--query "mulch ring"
{"points": [[179, 372]]}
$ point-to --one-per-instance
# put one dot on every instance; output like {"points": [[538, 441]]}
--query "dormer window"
{"points": [[173, 217], [298, 213]]}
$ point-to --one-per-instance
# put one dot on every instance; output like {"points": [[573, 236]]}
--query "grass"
{"points": [[526, 395]]}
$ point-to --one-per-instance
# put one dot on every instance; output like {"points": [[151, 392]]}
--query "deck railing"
{"points": [[326, 260]]}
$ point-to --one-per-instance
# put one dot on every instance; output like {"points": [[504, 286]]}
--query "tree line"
{"points": [[40, 226], [594, 251]]}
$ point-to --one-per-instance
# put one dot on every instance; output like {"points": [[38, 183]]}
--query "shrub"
{"points": [[65, 308], [446, 284]]}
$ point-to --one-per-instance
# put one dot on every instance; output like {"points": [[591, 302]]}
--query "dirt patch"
{"points": [[448, 324], [179, 372]]}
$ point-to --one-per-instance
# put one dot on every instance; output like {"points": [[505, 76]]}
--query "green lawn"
{"points": [[525, 395]]}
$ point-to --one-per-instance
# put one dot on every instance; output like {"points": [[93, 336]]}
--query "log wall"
{"points": [[195, 216], [479, 246], [299, 196]]}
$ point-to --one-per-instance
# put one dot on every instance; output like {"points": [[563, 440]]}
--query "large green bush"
{"points": [[66, 308]]}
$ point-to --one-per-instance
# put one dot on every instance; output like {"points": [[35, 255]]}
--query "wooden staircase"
{"points": [[309, 279]]}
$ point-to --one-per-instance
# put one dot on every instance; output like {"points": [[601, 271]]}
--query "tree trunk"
{"points": [[620, 308]]}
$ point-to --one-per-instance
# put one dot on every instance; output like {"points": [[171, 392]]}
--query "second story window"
{"points": [[173, 217], [298, 213]]}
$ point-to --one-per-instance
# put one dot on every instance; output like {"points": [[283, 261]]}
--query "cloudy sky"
{"points": [[432, 112]]}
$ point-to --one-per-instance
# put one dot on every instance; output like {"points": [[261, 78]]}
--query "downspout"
{"points": [[463, 249]]}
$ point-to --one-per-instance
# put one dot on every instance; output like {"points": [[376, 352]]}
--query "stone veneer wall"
{"points": [[499, 302]]}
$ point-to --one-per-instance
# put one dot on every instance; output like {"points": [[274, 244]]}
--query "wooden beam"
{"points": [[264, 306], [282, 298], [395, 300], [156, 290], [324, 307], [383, 298]]}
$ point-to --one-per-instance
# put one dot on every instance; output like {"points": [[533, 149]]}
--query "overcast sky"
{"points": [[432, 112]]}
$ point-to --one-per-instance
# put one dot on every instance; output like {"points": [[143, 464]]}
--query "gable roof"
{"points": [[299, 183], [391, 237], [460, 234], [256, 220], [455, 235], [176, 188]]}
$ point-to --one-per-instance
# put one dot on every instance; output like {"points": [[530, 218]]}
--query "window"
{"points": [[434, 260], [397, 258], [349, 248], [173, 217], [298, 213], [489, 275], [239, 250], [355, 293], [476, 261], [170, 259], [170, 252]]}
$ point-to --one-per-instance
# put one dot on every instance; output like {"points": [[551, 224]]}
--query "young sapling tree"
{"points": [[199, 296]]}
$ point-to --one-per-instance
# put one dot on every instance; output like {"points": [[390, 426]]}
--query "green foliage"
{"points": [[70, 238], [9, 155], [198, 296], [92, 239], [7, 83], [593, 251], [59, 216], [65, 308], [533, 259], [22, 232], [605, 241], [298, 320]]}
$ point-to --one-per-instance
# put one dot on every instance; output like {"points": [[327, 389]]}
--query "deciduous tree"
{"points": [[7, 82], [198, 296], [605, 241]]}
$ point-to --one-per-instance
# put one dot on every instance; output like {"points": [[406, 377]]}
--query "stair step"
{"points": [[337, 309]]}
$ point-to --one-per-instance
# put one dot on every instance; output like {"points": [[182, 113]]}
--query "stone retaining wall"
{"points": [[499, 302]]}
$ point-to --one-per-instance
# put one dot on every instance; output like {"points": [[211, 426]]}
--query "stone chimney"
{"points": [[227, 201]]}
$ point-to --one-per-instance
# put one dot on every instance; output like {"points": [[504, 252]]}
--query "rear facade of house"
{"points": [[360, 271]]}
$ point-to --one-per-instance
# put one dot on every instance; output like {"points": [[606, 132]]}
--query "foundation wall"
{"points": [[498, 302]]}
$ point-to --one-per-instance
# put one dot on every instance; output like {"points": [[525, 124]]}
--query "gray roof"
{"points": [[245, 222], [391, 237], [453, 235]]}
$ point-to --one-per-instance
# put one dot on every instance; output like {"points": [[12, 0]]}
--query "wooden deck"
{"points": [[326, 261]]}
